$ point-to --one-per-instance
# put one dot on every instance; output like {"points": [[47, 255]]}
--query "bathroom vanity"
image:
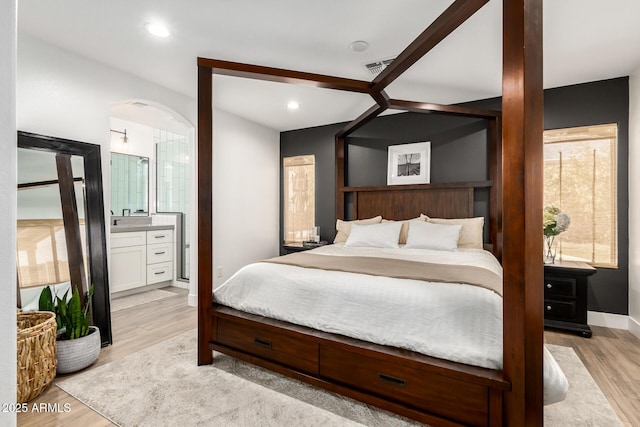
{"points": [[141, 255]]}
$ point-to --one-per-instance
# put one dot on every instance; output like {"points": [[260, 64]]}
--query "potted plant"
{"points": [[78, 343]]}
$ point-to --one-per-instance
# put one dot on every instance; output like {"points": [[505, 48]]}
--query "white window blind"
{"points": [[580, 178], [299, 197]]}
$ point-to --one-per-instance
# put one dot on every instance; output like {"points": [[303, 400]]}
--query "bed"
{"points": [[359, 300], [426, 388]]}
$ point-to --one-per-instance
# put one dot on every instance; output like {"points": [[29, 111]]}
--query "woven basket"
{"points": [[36, 353]]}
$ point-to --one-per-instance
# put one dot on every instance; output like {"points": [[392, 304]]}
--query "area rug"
{"points": [[129, 301], [585, 404], [162, 386]]}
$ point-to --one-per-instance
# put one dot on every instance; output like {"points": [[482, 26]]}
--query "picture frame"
{"points": [[409, 163]]}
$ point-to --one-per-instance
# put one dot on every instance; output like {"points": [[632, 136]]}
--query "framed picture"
{"points": [[409, 163]]}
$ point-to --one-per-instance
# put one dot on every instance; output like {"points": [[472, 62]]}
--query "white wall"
{"points": [[246, 193], [634, 203], [8, 182]]}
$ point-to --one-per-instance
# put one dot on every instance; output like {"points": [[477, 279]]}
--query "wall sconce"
{"points": [[124, 138]]}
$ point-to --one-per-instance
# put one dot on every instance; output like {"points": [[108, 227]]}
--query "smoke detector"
{"points": [[376, 67]]}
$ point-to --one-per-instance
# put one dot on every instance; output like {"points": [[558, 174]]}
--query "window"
{"points": [[299, 197], [580, 178]]}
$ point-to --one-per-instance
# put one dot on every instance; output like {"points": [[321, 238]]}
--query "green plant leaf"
{"points": [[46, 303], [73, 314]]}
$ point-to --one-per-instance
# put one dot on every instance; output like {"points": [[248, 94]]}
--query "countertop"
{"points": [[131, 228]]}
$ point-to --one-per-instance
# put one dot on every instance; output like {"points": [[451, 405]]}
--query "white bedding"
{"points": [[457, 322]]}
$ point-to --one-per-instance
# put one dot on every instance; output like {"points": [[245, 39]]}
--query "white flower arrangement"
{"points": [[554, 221]]}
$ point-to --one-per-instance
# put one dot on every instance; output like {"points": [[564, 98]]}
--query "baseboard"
{"points": [[634, 326], [608, 320], [192, 301], [180, 284]]}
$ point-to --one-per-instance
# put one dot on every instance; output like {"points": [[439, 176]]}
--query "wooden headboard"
{"points": [[398, 202]]}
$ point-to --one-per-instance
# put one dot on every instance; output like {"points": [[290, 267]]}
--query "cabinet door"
{"points": [[128, 268]]}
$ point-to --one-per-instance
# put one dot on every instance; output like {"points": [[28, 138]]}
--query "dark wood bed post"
{"points": [[522, 114], [205, 213], [494, 138], [340, 179]]}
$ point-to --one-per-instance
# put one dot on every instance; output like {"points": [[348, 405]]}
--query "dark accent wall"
{"points": [[598, 103], [458, 153]]}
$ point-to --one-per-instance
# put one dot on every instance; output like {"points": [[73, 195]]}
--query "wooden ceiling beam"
{"points": [[281, 75], [445, 24], [454, 110], [381, 98], [362, 120]]}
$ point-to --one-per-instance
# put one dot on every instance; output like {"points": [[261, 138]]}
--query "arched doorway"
{"points": [[159, 141]]}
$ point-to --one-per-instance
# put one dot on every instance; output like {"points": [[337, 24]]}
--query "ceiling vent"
{"points": [[376, 67]]}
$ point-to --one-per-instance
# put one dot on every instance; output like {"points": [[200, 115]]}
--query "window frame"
{"points": [[614, 136]]}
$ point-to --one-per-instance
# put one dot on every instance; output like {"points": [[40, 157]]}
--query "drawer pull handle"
{"points": [[159, 253], [548, 308], [263, 343], [162, 236], [159, 272], [549, 286], [392, 380]]}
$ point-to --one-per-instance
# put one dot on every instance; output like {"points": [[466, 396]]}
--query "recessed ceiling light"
{"points": [[157, 29], [359, 46], [293, 105]]}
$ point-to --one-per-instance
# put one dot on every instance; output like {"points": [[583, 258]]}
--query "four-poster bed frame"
{"points": [[438, 392]]}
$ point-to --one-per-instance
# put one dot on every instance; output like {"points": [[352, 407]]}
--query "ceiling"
{"points": [[584, 40]]}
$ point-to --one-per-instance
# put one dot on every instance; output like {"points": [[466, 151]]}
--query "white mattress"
{"points": [[457, 322]]}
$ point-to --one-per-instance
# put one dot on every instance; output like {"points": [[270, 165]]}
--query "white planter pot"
{"points": [[79, 353]]}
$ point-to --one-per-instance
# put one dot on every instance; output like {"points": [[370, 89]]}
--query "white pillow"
{"points": [[383, 235], [405, 228], [471, 232], [426, 235], [343, 228]]}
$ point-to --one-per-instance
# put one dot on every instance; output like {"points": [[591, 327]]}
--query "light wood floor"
{"points": [[612, 357]]}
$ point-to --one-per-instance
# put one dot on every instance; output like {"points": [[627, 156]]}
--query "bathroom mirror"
{"points": [[129, 185]]}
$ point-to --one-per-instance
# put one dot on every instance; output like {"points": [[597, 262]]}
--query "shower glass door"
{"points": [[172, 188]]}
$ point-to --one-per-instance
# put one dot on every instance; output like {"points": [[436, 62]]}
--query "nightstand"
{"points": [[565, 296], [299, 247]]}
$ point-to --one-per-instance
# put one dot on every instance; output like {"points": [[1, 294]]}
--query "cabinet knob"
{"points": [[549, 286], [548, 308]]}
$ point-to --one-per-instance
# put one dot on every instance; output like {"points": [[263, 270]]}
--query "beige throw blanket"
{"points": [[400, 269]]}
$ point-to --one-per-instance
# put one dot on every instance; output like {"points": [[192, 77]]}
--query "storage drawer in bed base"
{"points": [[433, 391], [270, 343]]}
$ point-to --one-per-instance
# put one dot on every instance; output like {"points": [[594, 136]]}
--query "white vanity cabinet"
{"points": [[140, 258], [128, 260]]}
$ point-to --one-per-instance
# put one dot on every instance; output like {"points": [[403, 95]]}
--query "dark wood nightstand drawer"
{"points": [[559, 286], [559, 309], [275, 345]]}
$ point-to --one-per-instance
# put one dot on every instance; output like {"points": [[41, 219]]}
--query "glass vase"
{"points": [[549, 249]]}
